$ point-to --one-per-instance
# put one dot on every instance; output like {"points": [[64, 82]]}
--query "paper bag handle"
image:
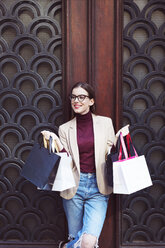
{"points": [[128, 138], [123, 146]]}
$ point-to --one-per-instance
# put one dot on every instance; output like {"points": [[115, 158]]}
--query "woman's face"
{"points": [[81, 106]]}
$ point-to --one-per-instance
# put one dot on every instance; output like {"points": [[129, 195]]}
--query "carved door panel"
{"points": [[142, 215], [30, 101]]}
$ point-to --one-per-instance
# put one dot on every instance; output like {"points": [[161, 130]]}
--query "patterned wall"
{"points": [[30, 101], [143, 213]]}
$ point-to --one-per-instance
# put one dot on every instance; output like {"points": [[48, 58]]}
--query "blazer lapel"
{"points": [[97, 131], [73, 142]]}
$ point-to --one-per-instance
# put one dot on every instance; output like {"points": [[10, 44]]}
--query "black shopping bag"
{"points": [[111, 157], [39, 165]]}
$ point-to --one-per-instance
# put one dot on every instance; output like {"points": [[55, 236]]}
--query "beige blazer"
{"points": [[104, 137]]}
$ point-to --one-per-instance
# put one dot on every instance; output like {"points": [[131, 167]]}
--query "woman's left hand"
{"points": [[124, 130]]}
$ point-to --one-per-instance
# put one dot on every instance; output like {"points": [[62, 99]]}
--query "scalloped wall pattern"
{"points": [[143, 213], [30, 101]]}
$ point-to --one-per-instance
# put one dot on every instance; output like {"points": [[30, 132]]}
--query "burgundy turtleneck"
{"points": [[85, 140]]}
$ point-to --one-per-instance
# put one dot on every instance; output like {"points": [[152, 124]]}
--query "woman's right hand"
{"points": [[47, 135]]}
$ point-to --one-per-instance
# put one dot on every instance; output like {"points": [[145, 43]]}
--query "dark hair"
{"points": [[90, 91]]}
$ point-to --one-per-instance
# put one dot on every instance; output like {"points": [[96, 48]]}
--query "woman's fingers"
{"points": [[57, 142], [124, 130], [47, 134]]}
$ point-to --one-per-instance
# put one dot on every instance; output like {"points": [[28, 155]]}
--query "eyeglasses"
{"points": [[80, 98]]}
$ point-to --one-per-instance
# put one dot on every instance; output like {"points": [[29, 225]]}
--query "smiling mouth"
{"points": [[77, 106]]}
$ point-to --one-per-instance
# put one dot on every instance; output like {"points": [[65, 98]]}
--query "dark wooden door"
{"points": [[92, 53]]}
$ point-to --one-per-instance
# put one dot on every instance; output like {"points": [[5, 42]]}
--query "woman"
{"points": [[87, 138]]}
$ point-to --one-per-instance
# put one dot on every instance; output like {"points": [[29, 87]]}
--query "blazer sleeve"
{"points": [[63, 138], [111, 135]]}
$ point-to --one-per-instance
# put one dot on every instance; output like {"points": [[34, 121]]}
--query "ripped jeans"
{"points": [[86, 211]]}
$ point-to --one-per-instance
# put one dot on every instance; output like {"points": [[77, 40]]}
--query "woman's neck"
{"points": [[87, 116]]}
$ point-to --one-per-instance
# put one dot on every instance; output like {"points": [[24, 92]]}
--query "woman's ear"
{"points": [[91, 102]]}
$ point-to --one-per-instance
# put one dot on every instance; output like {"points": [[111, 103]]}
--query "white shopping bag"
{"points": [[64, 178], [130, 174]]}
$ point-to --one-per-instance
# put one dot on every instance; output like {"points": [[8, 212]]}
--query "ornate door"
{"points": [[38, 64], [142, 215], [30, 101]]}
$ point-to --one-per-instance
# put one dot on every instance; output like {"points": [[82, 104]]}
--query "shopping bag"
{"points": [[64, 178], [130, 174], [39, 165], [114, 155]]}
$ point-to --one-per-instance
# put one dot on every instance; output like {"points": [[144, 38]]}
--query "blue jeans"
{"points": [[86, 211]]}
